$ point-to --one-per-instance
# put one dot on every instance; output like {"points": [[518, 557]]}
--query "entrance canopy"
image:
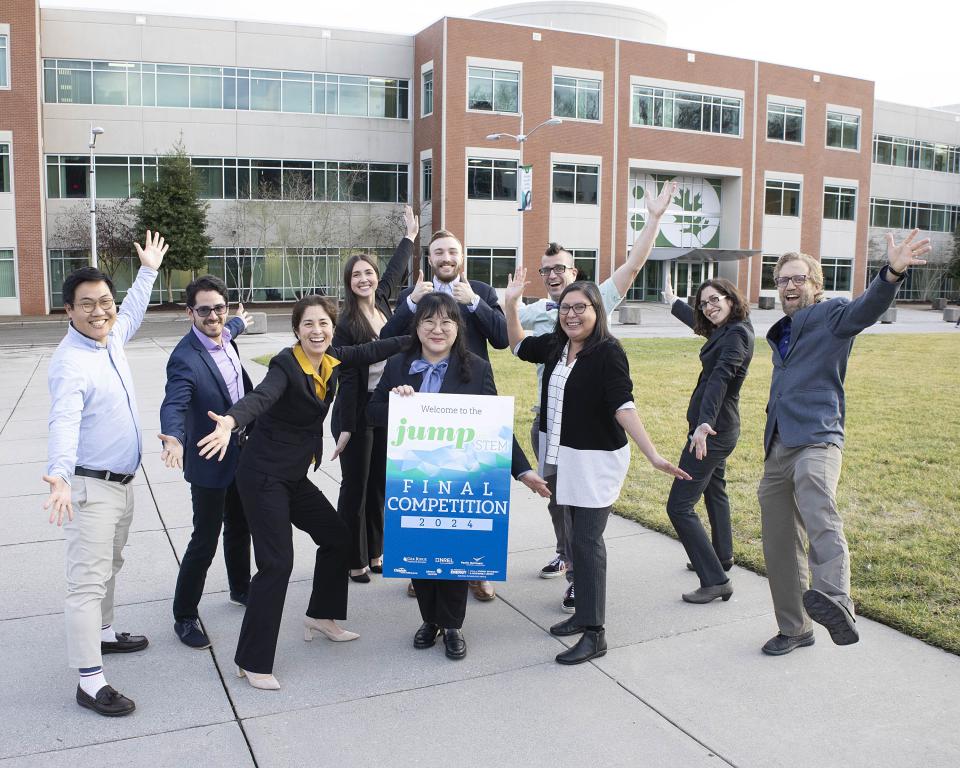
{"points": [[700, 254]]}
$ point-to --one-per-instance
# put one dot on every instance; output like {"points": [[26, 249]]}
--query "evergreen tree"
{"points": [[172, 207]]}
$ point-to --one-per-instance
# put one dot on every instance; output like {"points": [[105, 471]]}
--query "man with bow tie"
{"points": [[558, 271]]}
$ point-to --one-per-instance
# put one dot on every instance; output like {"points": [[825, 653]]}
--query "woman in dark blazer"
{"points": [[721, 314], [361, 447], [586, 413], [289, 406], [438, 361]]}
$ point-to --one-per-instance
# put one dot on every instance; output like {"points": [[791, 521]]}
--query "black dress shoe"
{"points": [[591, 645], [566, 627], [426, 636], [376, 568], [363, 578], [107, 702], [454, 644], [827, 610], [125, 643], [783, 644]]}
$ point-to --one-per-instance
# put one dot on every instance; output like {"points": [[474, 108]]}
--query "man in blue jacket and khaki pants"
{"points": [[803, 443], [204, 374]]}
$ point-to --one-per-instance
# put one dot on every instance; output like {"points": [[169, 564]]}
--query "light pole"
{"points": [[94, 132], [521, 139]]}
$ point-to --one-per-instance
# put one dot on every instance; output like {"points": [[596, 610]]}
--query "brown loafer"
{"points": [[483, 590]]}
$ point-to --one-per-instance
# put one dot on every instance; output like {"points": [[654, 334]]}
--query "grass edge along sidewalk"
{"points": [[899, 492]]}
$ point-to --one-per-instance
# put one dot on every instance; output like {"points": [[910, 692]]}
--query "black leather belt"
{"points": [[103, 474]]}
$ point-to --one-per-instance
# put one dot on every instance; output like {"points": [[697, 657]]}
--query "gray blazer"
{"points": [[806, 403]]}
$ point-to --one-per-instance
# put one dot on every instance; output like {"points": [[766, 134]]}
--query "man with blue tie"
{"points": [[803, 444], [204, 374], [94, 449], [558, 270]]}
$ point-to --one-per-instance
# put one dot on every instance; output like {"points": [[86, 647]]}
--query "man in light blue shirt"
{"points": [[558, 271], [93, 450]]}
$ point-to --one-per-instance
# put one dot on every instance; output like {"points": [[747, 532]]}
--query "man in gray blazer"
{"points": [[804, 439]]}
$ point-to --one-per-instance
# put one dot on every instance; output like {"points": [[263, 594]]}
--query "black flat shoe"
{"points": [[107, 702], [566, 628], [827, 610], [591, 645], [454, 644], [376, 568], [125, 643], [426, 636], [363, 578]]}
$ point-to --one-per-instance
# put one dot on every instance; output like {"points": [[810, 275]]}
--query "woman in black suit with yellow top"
{"points": [[362, 447], [289, 406], [438, 361], [721, 314]]}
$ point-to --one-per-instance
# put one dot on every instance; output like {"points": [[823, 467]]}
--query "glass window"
{"points": [[491, 179], [491, 265], [577, 98], [782, 198], [685, 110], [209, 175], [264, 90], [297, 93], [839, 203], [8, 281], [112, 180], [4, 61], [173, 86], [784, 122], [575, 183], [353, 96], [426, 184], [427, 93], [495, 90], [109, 83], [586, 263], [767, 265], [837, 274], [4, 167], [843, 130], [265, 179], [74, 82], [206, 88]]}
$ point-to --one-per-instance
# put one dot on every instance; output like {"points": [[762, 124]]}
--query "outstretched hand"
{"points": [[59, 500], [153, 250], [658, 206], [667, 293], [535, 483], [411, 222], [666, 467], [217, 441], [907, 254], [515, 285], [245, 316], [172, 453], [698, 440]]}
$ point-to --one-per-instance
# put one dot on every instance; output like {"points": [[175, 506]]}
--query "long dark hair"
{"points": [[601, 332], [739, 309], [355, 321], [312, 300], [441, 304]]}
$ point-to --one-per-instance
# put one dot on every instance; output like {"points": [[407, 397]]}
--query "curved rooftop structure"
{"points": [[606, 19]]}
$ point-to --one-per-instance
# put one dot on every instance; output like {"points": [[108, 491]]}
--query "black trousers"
{"points": [[363, 465], [213, 508], [710, 482], [443, 603], [273, 506]]}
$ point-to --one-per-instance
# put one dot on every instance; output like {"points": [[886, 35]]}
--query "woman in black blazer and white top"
{"points": [[360, 446], [439, 361], [713, 417], [289, 406], [586, 412]]}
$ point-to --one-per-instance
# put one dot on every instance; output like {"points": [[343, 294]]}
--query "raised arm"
{"points": [[177, 396], [511, 306], [627, 272], [135, 303], [369, 353], [679, 309], [400, 261]]}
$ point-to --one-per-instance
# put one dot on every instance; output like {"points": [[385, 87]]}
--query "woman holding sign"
{"points": [[586, 412], [289, 406], [438, 361]]}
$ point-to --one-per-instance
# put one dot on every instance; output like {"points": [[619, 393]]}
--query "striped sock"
{"points": [[92, 680], [107, 635]]}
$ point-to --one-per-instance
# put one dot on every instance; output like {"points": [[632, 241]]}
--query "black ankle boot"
{"points": [[592, 644]]}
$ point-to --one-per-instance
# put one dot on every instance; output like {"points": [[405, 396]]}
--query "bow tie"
{"points": [[552, 305], [432, 374]]}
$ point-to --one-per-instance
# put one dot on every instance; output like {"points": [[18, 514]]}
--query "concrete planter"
{"points": [[890, 316], [938, 304], [629, 315], [259, 323], [951, 314], [767, 302]]}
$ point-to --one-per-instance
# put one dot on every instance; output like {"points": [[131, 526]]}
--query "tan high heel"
{"points": [[310, 626], [257, 680]]}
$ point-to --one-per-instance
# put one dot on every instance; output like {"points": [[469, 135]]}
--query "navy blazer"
{"points": [[195, 386], [485, 323], [725, 358], [806, 405], [397, 372]]}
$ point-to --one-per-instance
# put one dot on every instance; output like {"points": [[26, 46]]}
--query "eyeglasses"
{"points": [[715, 300], [105, 303], [557, 268], [577, 309], [445, 326], [798, 280], [220, 309]]}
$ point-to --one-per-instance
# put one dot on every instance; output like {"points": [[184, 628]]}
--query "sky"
{"points": [[907, 49]]}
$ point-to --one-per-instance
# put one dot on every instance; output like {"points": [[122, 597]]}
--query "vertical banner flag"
{"points": [[525, 185], [447, 504]]}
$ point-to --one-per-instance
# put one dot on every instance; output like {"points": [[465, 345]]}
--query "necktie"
{"points": [[432, 374], [552, 305], [783, 345]]}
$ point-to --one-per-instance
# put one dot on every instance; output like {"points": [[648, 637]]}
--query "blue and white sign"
{"points": [[447, 504]]}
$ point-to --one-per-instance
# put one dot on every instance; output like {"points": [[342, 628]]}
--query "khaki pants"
{"points": [[102, 512], [798, 494]]}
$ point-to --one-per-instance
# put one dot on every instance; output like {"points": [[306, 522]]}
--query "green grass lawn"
{"points": [[899, 492]]}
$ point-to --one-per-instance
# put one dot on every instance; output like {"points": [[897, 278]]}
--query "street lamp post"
{"points": [[521, 139], [94, 132]]}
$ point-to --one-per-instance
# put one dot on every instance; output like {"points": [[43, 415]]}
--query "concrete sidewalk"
{"points": [[682, 685]]}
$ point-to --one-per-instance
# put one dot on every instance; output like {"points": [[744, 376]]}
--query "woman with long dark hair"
{"points": [[289, 406], [360, 446], [586, 413], [721, 315], [438, 361]]}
